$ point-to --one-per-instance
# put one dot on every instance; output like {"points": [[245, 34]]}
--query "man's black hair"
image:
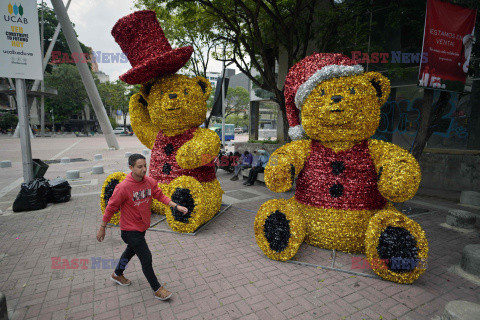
{"points": [[133, 158]]}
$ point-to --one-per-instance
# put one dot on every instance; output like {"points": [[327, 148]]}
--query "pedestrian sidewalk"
{"points": [[220, 273]]}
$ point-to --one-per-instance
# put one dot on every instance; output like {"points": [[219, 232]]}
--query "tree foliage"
{"points": [[8, 120], [116, 96], [50, 24], [72, 96], [237, 101]]}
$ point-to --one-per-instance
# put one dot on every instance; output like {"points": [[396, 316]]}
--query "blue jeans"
{"points": [[136, 245]]}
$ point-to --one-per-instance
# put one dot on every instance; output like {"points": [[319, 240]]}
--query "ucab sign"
{"points": [[20, 55]]}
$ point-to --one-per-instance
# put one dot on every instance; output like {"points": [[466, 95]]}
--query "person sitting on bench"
{"points": [[244, 163], [259, 167]]}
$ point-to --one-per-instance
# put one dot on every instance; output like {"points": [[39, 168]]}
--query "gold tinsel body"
{"points": [[379, 173], [165, 117], [116, 176]]}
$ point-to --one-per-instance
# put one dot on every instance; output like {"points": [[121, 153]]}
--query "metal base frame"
{"points": [[332, 267], [190, 233]]}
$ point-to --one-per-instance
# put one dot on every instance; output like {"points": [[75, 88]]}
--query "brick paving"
{"points": [[218, 274]]}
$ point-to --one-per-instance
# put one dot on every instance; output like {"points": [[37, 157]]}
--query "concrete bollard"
{"points": [[461, 219], [470, 198], [471, 259], [73, 174], [3, 307], [97, 170], [145, 152], [65, 160], [5, 164], [461, 310], [127, 154], [97, 157]]}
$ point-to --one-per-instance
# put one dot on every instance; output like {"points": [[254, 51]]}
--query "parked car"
{"points": [[238, 130], [122, 130]]}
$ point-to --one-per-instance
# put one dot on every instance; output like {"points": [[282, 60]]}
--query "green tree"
{"points": [[50, 24], [72, 97], [237, 101], [238, 120], [115, 96], [8, 120]]}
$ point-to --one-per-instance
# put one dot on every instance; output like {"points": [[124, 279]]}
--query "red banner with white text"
{"points": [[447, 43]]}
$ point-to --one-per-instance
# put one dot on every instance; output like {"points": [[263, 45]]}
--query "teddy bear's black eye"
{"points": [[185, 91], [323, 92], [352, 90], [161, 92]]}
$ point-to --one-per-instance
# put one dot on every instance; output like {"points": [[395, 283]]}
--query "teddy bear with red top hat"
{"points": [[165, 115], [346, 181]]}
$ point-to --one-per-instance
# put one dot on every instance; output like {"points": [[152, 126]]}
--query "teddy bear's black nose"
{"points": [[172, 95], [337, 98]]}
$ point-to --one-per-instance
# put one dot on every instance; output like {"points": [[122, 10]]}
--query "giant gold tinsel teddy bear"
{"points": [[165, 116], [346, 181]]}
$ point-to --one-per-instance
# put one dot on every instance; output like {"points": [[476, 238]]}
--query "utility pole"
{"points": [[24, 130], [42, 101], [223, 101]]}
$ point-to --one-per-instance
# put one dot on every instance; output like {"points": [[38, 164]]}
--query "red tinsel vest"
{"points": [[344, 180], [163, 164]]}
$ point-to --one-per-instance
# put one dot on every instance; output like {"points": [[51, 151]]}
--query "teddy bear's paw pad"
{"points": [[398, 248], [400, 244], [107, 191], [279, 230], [187, 192], [184, 198]]}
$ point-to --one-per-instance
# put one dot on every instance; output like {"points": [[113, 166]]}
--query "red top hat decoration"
{"points": [[141, 38], [305, 75]]}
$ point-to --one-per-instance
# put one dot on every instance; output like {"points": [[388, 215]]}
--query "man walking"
{"points": [[133, 197]]}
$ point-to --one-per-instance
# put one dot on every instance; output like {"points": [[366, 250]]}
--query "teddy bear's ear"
{"points": [[205, 85], [144, 92], [381, 85]]}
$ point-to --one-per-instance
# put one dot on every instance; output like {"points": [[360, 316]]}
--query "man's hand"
{"points": [[101, 234], [182, 209]]}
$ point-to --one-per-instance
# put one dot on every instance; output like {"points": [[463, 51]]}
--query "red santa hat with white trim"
{"points": [[305, 75]]}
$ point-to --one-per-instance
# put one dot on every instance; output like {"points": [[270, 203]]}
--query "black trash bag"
{"points": [[32, 196], [59, 190]]}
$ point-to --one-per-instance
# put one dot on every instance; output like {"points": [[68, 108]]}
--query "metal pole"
{"points": [[85, 74], [24, 130], [223, 102], [36, 84], [42, 101], [369, 35]]}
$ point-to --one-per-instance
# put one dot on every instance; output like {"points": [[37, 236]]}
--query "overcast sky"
{"points": [[94, 20]]}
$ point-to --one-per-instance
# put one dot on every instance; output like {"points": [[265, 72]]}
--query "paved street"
{"points": [[220, 273]]}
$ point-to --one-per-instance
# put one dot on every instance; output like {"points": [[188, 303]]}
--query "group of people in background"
{"points": [[256, 161]]}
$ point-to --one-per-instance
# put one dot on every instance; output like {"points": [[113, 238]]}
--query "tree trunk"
{"points": [[426, 112]]}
